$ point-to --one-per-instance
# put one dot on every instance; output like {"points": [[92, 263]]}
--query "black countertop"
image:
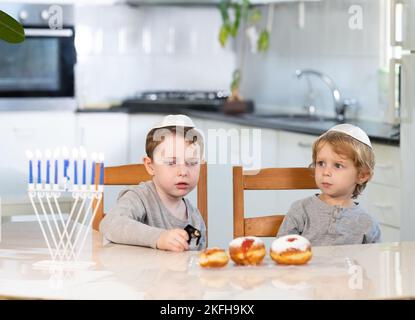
{"points": [[377, 131]]}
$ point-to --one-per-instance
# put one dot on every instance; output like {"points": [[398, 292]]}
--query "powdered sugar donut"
{"points": [[291, 249], [247, 250]]}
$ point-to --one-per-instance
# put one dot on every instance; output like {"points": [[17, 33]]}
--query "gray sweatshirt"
{"points": [[140, 217], [326, 225]]}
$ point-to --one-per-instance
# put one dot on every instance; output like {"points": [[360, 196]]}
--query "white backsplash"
{"points": [[123, 50]]}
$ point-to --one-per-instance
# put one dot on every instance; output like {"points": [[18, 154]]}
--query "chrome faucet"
{"points": [[339, 104]]}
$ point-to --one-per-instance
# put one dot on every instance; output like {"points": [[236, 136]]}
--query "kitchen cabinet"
{"points": [[20, 131], [382, 196], [295, 150]]}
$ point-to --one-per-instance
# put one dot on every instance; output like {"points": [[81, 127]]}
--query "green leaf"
{"points": [[10, 30], [263, 41], [236, 80], [223, 34], [223, 7], [235, 26]]}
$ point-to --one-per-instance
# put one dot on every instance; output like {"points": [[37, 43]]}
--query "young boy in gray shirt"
{"points": [[344, 161], [155, 213]]}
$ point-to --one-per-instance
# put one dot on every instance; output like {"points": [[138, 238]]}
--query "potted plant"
{"points": [[241, 16]]}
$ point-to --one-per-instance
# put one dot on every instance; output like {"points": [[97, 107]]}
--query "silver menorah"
{"points": [[65, 238]]}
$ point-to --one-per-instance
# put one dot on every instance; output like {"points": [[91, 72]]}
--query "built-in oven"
{"points": [[39, 72]]}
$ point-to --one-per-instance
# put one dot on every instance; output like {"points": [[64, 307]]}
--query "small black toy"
{"points": [[193, 233]]}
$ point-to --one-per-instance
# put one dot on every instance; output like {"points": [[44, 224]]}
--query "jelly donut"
{"points": [[291, 249], [247, 250]]}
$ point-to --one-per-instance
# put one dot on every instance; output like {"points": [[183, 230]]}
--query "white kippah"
{"points": [[353, 131], [177, 120]]}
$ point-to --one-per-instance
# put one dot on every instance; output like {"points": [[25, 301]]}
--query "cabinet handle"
{"points": [[383, 206], [304, 144]]}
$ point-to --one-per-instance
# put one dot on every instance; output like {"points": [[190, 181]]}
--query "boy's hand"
{"points": [[173, 240]]}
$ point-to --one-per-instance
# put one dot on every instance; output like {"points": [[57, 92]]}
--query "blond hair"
{"points": [[361, 154], [156, 136]]}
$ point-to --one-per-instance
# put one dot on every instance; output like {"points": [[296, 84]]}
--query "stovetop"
{"points": [[182, 95], [173, 101]]}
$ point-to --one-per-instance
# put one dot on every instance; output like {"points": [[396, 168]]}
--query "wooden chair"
{"points": [[133, 174], [265, 179]]}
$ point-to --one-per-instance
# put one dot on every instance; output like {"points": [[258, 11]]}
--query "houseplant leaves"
{"points": [[10, 30]]}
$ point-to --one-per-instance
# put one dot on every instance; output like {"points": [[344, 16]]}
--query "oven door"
{"points": [[41, 66]]}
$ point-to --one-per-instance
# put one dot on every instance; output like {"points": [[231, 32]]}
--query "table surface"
{"points": [[375, 271]]}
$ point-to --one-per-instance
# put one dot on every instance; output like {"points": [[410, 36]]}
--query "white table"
{"points": [[130, 272]]}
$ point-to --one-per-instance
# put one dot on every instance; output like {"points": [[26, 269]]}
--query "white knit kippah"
{"points": [[353, 131]]}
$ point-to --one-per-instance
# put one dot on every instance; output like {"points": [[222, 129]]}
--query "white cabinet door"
{"points": [[294, 150], [104, 132], [387, 165], [20, 131]]}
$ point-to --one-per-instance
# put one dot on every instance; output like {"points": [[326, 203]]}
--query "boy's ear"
{"points": [[148, 164], [363, 177]]}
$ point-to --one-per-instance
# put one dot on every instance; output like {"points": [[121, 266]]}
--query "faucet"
{"points": [[339, 104]]}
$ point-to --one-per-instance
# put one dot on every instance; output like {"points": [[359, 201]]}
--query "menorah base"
{"points": [[62, 265]]}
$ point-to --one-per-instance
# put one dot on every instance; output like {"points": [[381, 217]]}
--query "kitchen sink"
{"points": [[296, 117]]}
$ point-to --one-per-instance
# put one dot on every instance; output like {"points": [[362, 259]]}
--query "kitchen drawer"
{"points": [[383, 202], [387, 168]]}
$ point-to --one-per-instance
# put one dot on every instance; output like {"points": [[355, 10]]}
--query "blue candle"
{"points": [[84, 172], [39, 171], [94, 158], [65, 167], [56, 156], [75, 172], [48, 155], [39, 166], [30, 171], [29, 155], [93, 173], [75, 165], [56, 171], [65, 155], [101, 169], [47, 171]]}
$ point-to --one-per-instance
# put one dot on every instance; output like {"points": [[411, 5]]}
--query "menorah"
{"points": [[65, 238]]}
